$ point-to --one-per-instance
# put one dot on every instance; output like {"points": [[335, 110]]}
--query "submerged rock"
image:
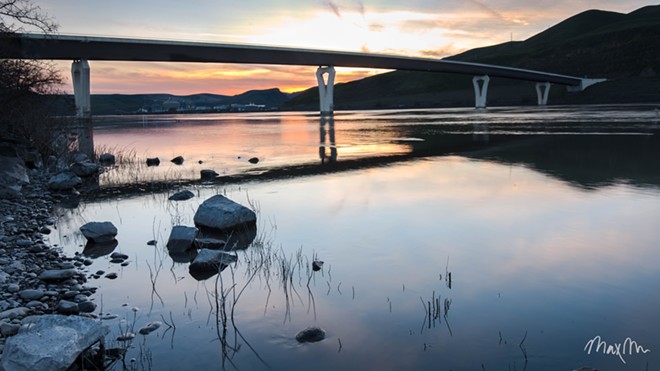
{"points": [[310, 335], [182, 196], [126, 337], [99, 231], [221, 213], [52, 343], [150, 327]]}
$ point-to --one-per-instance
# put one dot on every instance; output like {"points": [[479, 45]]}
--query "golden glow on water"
{"points": [[536, 244]]}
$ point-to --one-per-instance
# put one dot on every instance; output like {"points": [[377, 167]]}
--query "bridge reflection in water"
{"points": [[327, 129]]}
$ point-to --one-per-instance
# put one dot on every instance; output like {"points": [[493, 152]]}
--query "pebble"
{"points": [[118, 255], [31, 294], [126, 337], [150, 327], [67, 307], [111, 276], [12, 287]]}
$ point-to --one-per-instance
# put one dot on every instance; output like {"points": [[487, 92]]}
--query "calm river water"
{"points": [[453, 239]]}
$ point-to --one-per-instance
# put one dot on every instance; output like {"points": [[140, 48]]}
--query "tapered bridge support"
{"points": [[480, 90], [542, 92], [326, 89], [80, 76]]}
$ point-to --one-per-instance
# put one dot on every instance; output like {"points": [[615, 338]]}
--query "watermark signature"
{"points": [[627, 347]]}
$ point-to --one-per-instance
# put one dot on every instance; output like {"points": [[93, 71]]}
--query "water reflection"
{"points": [[328, 121], [96, 250]]}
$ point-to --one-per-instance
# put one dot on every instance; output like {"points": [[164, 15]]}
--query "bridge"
{"points": [[82, 49]]}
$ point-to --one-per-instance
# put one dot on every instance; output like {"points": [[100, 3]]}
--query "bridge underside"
{"points": [[81, 49]]}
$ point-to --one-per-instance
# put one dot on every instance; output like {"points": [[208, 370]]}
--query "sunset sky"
{"points": [[428, 28]]}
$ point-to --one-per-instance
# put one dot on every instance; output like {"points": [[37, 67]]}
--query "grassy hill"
{"points": [[624, 48], [106, 104]]}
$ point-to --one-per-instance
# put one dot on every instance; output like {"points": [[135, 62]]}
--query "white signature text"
{"points": [[628, 347]]}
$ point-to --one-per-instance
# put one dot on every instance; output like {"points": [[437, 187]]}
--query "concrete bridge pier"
{"points": [[480, 90], [80, 76], [326, 89], [542, 92]]}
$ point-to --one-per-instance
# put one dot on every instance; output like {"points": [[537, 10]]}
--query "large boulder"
{"points": [[99, 232], [221, 213], [181, 238], [64, 181], [52, 343]]}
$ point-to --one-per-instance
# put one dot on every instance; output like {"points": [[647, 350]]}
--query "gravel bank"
{"points": [[36, 278]]}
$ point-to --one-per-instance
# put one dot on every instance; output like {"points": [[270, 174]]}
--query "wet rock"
{"points": [[31, 294], [14, 313], [9, 329], [310, 335], [107, 159], [221, 213], [178, 160], [317, 265], [87, 306], [253, 160], [53, 342], [99, 231], [64, 181], [182, 196], [152, 243], [116, 261], [118, 255], [44, 230], [12, 287], [150, 327], [57, 274], [208, 174], [153, 161], [67, 307], [97, 249], [111, 275], [23, 242], [84, 169], [181, 238]]}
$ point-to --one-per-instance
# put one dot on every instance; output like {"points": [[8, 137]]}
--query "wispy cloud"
{"points": [[334, 7]]}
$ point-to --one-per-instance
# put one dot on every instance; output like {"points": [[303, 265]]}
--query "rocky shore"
{"points": [[36, 278]]}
